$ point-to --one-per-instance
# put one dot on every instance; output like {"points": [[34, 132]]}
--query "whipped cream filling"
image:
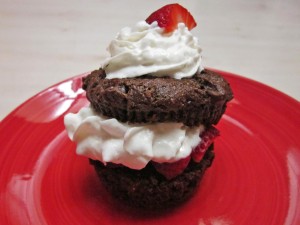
{"points": [[132, 145], [146, 49]]}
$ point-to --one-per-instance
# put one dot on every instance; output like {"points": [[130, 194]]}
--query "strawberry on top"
{"points": [[170, 15]]}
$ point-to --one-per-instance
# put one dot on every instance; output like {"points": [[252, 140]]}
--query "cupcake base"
{"points": [[148, 189]]}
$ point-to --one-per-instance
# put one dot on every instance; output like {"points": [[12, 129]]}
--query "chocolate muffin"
{"points": [[148, 189], [149, 129], [201, 99], [198, 100]]}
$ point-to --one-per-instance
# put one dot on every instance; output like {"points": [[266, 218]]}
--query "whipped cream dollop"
{"points": [[146, 49], [132, 145]]}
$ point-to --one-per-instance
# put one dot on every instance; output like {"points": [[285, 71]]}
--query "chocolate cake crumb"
{"points": [[200, 99], [148, 189]]}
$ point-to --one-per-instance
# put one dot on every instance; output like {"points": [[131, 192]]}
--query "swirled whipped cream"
{"points": [[131, 145], [146, 49]]}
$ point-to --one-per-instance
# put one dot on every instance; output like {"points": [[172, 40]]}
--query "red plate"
{"points": [[255, 178]]}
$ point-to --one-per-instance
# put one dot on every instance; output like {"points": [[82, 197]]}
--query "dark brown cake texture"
{"points": [[148, 189], [200, 99]]}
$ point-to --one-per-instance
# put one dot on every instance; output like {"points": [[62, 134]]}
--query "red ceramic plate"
{"points": [[255, 178]]}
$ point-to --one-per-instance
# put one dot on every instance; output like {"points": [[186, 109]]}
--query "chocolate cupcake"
{"points": [[200, 99], [149, 130], [147, 188]]}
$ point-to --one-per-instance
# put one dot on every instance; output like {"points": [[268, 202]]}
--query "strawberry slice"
{"points": [[171, 170], [207, 138], [170, 15]]}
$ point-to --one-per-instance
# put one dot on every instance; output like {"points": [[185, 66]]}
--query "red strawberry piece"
{"points": [[207, 138], [170, 15], [171, 170]]}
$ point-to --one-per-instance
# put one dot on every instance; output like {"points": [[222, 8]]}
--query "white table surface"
{"points": [[44, 42]]}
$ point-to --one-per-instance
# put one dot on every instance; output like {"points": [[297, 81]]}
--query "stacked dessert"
{"points": [[149, 128]]}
